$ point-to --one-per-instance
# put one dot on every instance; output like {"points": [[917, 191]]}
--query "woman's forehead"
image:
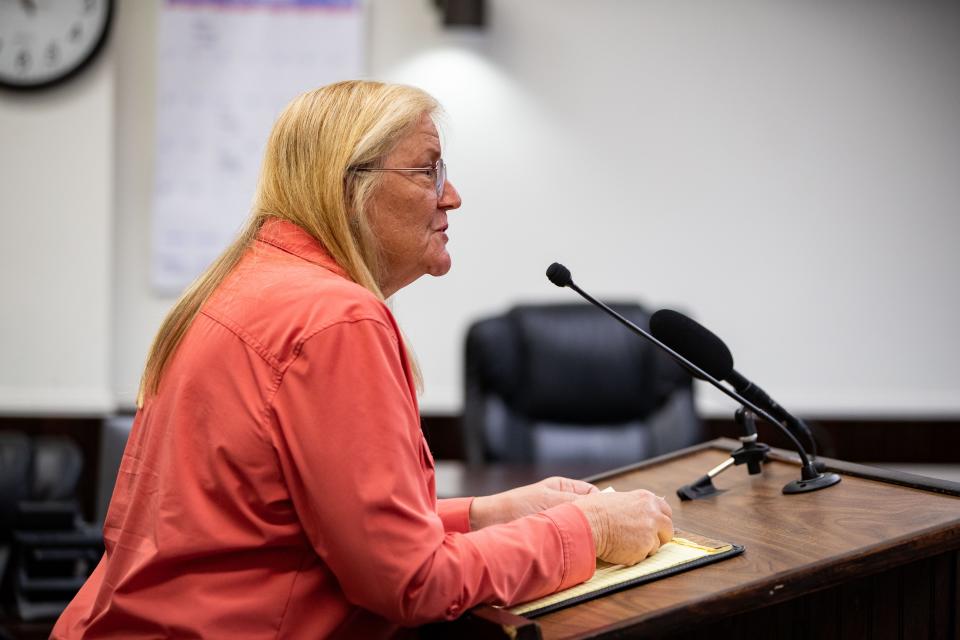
{"points": [[423, 137]]}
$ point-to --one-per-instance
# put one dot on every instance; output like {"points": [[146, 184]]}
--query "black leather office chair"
{"points": [[46, 549], [567, 383]]}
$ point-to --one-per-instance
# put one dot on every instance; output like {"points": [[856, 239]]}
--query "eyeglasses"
{"points": [[438, 172]]}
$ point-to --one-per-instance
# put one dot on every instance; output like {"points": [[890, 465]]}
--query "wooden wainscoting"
{"points": [[855, 440]]}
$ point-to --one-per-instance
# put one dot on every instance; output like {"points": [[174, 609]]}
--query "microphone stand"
{"points": [[750, 453], [810, 478]]}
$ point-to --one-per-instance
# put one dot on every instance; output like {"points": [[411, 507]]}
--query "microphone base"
{"points": [[700, 488], [822, 481]]}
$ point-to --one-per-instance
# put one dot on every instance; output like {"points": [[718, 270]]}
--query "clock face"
{"points": [[45, 41]]}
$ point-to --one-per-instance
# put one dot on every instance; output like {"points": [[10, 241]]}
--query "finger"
{"points": [[582, 488], [665, 507], [574, 486], [556, 497], [553, 482], [665, 531], [654, 546]]}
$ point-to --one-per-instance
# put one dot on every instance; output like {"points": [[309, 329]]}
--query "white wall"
{"points": [[56, 246], [139, 310], [789, 173]]}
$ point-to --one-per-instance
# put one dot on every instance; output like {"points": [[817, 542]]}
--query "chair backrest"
{"points": [[39, 468], [46, 550], [561, 382]]}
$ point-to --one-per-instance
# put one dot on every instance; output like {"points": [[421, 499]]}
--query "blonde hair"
{"points": [[307, 178]]}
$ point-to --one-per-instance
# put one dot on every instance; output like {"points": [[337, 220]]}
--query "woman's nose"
{"points": [[450, 198]]}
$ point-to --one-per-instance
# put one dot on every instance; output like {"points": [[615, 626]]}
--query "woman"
{"points": [[276, 483]]}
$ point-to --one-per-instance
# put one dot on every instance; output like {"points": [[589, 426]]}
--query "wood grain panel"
{"points": [[886, 622], [795, 545], [943, 599]]}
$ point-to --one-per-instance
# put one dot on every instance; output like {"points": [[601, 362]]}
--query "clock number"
{"points": [[52, 54], [23, 61], [45, 42]]}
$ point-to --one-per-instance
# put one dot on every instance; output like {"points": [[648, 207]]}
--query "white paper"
{"points": [[226, 70]]}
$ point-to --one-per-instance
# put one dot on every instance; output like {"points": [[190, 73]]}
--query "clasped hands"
{"points": [[627, 526]]}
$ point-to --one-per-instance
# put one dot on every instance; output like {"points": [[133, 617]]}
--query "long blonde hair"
{"points": [[307, 178]]}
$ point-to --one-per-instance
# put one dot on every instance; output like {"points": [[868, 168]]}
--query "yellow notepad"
{"points": [[685, 551]]}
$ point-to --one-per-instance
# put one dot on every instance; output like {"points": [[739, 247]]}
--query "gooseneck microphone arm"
{"points": [[750, 390], [560, 281], [811, 479]]}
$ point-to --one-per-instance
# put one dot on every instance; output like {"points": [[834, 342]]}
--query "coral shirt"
{"points": [[278, 484]]}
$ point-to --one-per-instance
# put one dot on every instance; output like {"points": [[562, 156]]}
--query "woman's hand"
{"points": [[627, 526], [523, 501]]}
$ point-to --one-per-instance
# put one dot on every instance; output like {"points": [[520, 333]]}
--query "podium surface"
{"points": [[875, 556]]}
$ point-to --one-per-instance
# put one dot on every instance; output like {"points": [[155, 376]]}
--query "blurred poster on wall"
{"points": [[226, 68]]}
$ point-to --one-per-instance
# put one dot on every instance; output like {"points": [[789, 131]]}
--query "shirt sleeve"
{"points": [[455, 514], [352, 454]]}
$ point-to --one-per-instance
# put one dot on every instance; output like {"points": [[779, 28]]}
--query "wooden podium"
{"points": [[876, 556]]}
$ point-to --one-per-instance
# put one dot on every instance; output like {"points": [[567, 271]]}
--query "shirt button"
{"points": [[453, 610]]}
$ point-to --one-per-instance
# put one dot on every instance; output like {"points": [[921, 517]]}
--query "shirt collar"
{"points": [[293, 239]]}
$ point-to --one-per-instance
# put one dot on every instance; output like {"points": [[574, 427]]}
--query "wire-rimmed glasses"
{"points": [[438, 172]]}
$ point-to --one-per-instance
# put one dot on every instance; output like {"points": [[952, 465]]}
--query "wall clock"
{"points": [[44, 42]]}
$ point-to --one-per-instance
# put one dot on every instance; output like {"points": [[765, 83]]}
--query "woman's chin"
{"points": [[440, 266]]}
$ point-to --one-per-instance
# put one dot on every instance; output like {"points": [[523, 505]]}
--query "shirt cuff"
{"points": [[579, 549], [455, 514]]}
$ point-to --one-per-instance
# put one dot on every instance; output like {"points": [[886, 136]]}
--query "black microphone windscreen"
{"points": [[693, 341], [559, 274]]}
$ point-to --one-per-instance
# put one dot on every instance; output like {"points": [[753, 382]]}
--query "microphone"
{"points": [[810, 480], [699, 344], [559, 275]]}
